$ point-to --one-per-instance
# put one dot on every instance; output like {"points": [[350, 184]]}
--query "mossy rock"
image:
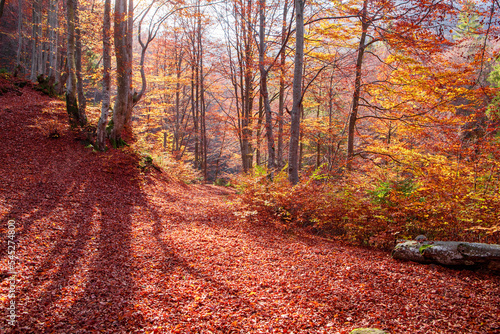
{"points": [[368, 331]]}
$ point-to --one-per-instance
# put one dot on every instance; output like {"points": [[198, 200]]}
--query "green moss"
{"points": [[422, 248]]}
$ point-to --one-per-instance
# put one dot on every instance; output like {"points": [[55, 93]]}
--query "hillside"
{"points": [[104, 247]]}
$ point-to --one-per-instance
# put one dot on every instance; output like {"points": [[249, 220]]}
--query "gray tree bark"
{"points": [[123, 49], [281, 103], [263, 87], [106, 80], [36, 36], [293, 155], [20, 36], [82, 103], [357, 87], [53, 39], [75, 115]]}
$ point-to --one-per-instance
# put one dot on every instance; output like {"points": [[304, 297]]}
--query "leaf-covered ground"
{"points": [[104, 248]]}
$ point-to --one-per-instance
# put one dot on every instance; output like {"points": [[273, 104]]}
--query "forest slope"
{"points": [[103, 247]]}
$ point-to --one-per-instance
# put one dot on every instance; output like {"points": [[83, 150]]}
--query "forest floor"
{"points": [[104, 247]]}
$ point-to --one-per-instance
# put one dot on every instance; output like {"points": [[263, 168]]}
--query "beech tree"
{"points": [[242, 71], [76, 113], [263, 86], [124, 28], [282, 82], [53, 23], [106, 79], [293, 155]]}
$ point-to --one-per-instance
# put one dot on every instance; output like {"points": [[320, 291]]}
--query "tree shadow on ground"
{"points": [[73, 210]]}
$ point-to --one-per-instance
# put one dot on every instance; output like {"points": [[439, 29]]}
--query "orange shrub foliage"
{"points": [[442, 199]]}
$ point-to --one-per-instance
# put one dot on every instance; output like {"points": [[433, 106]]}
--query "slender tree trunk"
{"points": [[318, 145], [129, 45], [357, 88], [293, 158], [177, 126], [301, 136], [71, 93], [248, 95], [194, 106], [106, 80], [263, 87], [82, 103], [53, 39], [330, 124], [203, 125], [20, 37], [242, 77], [258, 132], [35, 39], [281, 103]]}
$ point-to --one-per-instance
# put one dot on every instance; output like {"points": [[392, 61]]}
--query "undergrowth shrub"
{"points": [[379, 207]]}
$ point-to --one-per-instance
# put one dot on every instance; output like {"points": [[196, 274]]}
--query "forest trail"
{"points": [[105, 248]]}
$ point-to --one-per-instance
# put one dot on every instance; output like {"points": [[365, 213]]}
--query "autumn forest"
{"points": [[246, 166]]}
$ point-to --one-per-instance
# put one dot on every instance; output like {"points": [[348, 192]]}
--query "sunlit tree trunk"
{"points": [[242, 72], [263, 87], [82, 103], [53, 19], [177, 117], [203, 126], [106, 80], [293, 155], [123, 50], [281, 103], [357, 87], [247, 93]]}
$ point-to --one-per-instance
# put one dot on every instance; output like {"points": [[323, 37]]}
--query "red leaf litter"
{"points": [[102, 247]]}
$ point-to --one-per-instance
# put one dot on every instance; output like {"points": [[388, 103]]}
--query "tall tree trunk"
{"points": [[357, 87], [203, 125], [248, 87], [293, 158], [177, 126], [318, 144], [106, 80], [263, 87], [281, 103], [242, 78], [330, 124], [71, 86], [194, 105], [35, 39], [53, 39], [82, 103], [123, 43], [259, 130], [20, 37], [130, 33]]}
